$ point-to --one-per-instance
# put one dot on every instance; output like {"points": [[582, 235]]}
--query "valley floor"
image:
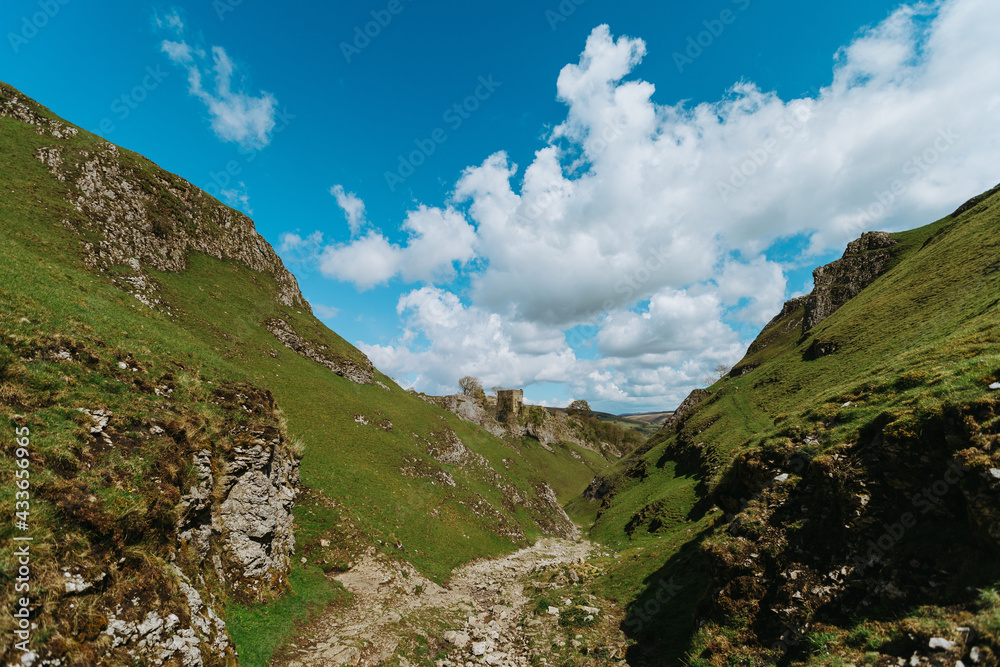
{"points": [[492, 612]]}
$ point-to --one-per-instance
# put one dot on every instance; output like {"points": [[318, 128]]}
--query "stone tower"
{"points": [[509, 403]]}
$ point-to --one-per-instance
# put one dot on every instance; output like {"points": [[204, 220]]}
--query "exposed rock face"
{"points": [[235, 519], [879, 521], [598, 488], [210, 522], [131, 213], [245, 507], [361, 373], [16, 106], [838, 282], [165, 638], [469, 409], [546, 426], [553, 518]]}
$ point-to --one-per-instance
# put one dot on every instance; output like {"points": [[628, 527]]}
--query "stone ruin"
{"points": [[509, 402]]}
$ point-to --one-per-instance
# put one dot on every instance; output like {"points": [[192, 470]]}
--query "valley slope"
{"points": [[835, 499], [171, 378]]}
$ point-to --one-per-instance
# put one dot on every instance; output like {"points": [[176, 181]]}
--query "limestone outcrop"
{"points": [[360, 372], [238, 515], [838, 282], [130, 213]]}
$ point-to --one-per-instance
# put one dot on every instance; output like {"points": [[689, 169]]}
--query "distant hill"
{"points": [[648, 417]]}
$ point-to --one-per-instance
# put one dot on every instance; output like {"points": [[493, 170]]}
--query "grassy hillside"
{"points": [[380, 466], [814, 456]]}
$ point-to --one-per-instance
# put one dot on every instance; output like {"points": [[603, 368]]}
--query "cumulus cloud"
{"points": [[444, 339], [236, 115], [437, 240], [368, 261], [647, 225]]}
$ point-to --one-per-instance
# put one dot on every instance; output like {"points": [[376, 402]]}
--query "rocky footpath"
{"points": [[483, 616]]}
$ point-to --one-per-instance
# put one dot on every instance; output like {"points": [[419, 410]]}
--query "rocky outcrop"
{"points": [[178, 501], [549, 514], [548, 427], [235, 519], [838, 282], [470, 410], [362, 372], [238, 516], [686, 406], [17, 106], [168, 638], [132, 214], [877, 522]]}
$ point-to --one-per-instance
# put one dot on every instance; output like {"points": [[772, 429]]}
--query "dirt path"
{"points": [[480, 618]]}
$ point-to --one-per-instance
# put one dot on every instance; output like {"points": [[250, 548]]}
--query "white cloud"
{"points": [[368, 261], [437, 240], [760, 282], [444, 339], [178, 52], [236, 115], [630, 218], [238, 197], [675, 320], [325, 312], [171, 21], [353, 207]]}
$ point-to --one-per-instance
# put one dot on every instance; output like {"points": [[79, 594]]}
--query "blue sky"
{"points": [[680, 167]]}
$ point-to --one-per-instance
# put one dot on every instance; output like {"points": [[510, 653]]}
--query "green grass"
{"points": [[987, 621], [917, 345], [568, 476], [384, 478], [258, 631]]}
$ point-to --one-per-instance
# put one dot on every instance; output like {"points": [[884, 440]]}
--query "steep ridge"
{"points": [[836, 498], [204, 455]]}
